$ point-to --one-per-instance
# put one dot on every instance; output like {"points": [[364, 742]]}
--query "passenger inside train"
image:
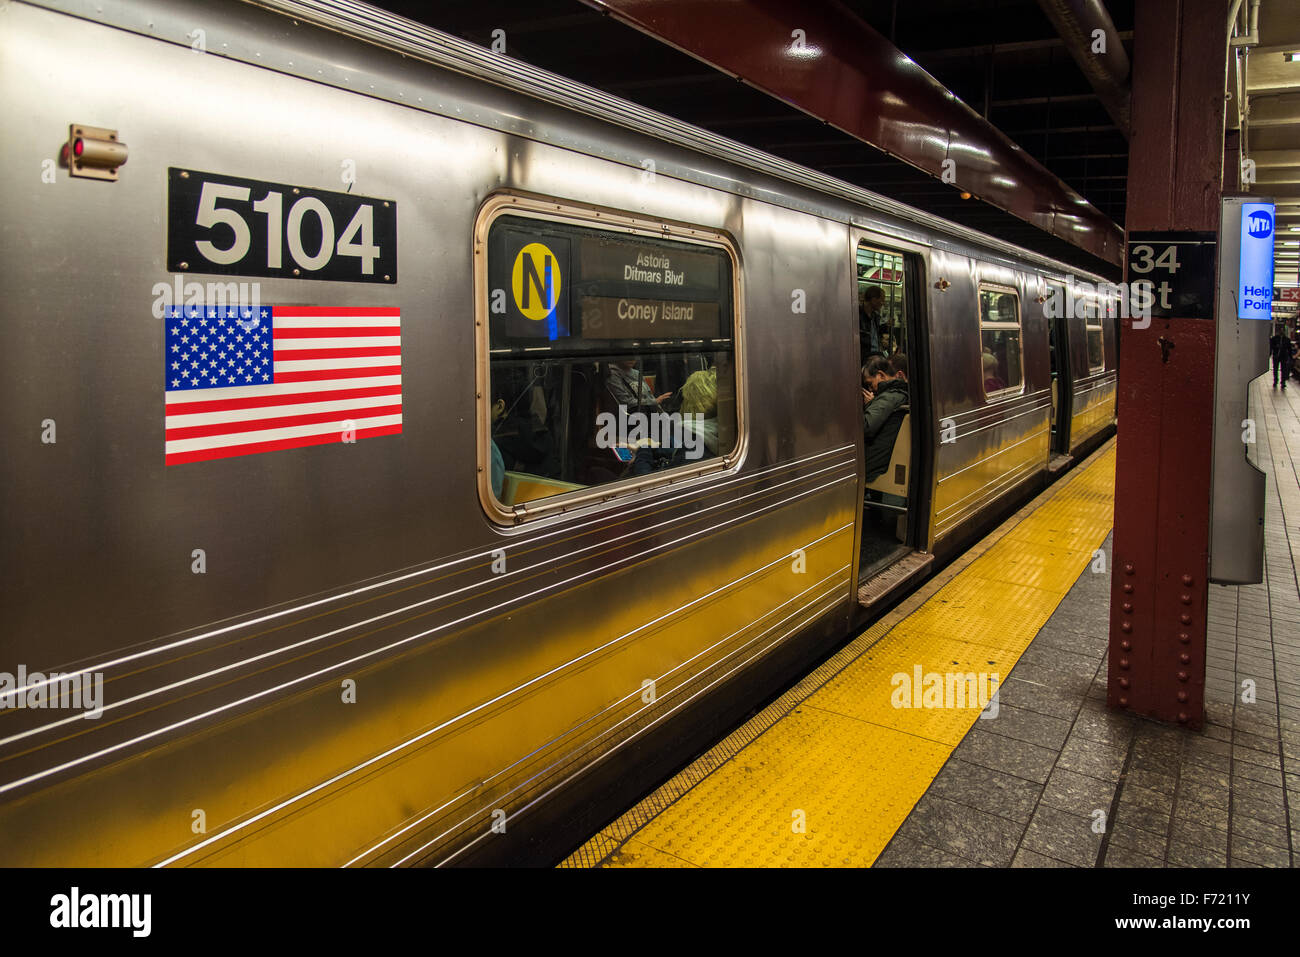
{"points": [[498, 460], [871, 321], [883, 279], [1000, 340], [699, 400], [884, 413], [992, 381], [631, 388]]}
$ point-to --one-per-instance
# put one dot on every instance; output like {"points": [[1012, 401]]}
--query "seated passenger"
{"points": [[521, 432], [498, 472], [992, 381], [875, 372], [700, 398], [884, 415], [627, 385]]}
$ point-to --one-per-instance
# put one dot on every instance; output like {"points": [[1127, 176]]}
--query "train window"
{"points": [[1096, 343], [882, 305], [610, 357], [1000, 340]]}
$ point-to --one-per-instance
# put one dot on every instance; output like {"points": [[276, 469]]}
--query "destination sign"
{"points": [[612, 317], [645, 264], [570, 288]]}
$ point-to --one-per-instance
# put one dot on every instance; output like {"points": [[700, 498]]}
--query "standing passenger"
{"points": [[871, 307]]}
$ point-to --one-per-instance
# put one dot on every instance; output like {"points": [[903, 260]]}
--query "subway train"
{"points": [[412, 455]]}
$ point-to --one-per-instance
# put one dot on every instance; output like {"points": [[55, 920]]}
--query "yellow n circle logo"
{"points": [[536, 281]]}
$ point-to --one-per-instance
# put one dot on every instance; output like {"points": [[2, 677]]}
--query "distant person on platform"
{"points": [[871, 316], [1275, 351], [1288, 351]]}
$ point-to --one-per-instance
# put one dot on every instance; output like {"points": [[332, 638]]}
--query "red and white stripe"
{"points": [[332, 366]]}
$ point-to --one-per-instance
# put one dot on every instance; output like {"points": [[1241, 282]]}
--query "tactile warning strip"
{"points": [[826, 773]]}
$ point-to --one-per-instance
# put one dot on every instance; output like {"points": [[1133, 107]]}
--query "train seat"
{"points": [[893, 481], [520, 487]]}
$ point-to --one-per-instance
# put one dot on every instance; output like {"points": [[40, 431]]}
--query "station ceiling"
{"points": [[1269, 121], [1004, 58]]}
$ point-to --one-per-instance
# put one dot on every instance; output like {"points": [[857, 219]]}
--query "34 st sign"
{"points": [[246, 227], [1174, 272]]}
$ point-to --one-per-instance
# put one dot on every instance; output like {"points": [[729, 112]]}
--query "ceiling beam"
{"points": [[827, 62], [1085, 25]]}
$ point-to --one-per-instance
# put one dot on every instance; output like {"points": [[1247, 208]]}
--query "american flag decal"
{"points": [[243, 381]]}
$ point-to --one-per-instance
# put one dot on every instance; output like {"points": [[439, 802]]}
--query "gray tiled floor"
{"points": [[1058, 780]]}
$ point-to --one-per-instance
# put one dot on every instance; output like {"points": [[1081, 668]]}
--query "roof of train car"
{"points": [[370, 24]]}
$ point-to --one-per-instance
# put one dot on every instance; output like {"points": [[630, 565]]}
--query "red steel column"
{"points": [[1166, 388]]}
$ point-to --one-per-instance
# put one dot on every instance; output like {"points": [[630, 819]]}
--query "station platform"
{"points": [[850, 768]]}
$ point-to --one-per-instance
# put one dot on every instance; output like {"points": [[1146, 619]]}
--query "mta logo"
{"points": [[1260, 224]]}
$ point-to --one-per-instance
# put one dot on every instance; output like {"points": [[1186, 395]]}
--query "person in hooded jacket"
{"points": [[883, 416]]}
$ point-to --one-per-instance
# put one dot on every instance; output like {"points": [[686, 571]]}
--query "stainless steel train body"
{"points": [[334, 654]]}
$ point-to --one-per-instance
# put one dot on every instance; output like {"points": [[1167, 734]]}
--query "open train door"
{"points": [[1062, 381], [896, 457]]}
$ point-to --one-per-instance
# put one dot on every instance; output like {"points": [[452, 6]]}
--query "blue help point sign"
{"points": [[1255, 281]]}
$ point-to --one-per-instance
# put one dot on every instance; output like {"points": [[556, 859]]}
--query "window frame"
{"points": [[566, 212], [1018, 325], [865, 242]]}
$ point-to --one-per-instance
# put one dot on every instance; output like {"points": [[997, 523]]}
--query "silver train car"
{"points": [[395, 575]]}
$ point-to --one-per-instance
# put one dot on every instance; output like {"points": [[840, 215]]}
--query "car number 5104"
{"points": [[232, 226]]}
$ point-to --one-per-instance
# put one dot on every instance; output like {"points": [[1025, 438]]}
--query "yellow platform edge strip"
{"points": [[825, 775]]}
